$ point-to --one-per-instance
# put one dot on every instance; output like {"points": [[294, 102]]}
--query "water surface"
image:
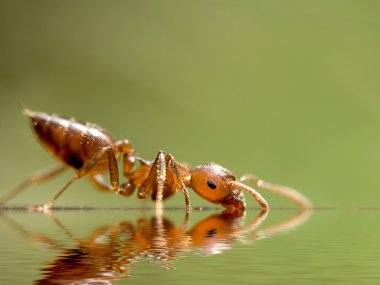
{"points": [[285, 246]]}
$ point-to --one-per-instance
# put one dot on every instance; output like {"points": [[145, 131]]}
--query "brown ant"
{"points": [[90, 151]]}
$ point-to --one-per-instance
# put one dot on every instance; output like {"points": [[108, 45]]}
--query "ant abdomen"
{"points": [[70, 141]]}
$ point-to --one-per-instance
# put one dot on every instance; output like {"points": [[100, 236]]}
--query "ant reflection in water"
{"points": [[110, 252]]}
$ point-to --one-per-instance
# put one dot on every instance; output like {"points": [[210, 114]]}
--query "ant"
{"points": [[91, 151]]}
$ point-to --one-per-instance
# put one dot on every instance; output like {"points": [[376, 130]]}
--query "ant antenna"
{"points": [[21, 105], [25, 110]]}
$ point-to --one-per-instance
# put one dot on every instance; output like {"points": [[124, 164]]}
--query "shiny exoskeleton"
{"points": [[91, 152]]}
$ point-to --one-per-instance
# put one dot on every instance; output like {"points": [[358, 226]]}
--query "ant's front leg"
{"points": [[162, 167], [177, 177], [156, 176]]}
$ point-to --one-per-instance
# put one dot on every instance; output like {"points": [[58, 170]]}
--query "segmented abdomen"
{"points": [[71, 142]]}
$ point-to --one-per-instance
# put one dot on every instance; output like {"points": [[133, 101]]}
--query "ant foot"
{"points": [[46, 209], [188, 209], [34, 208], [126, 189]]}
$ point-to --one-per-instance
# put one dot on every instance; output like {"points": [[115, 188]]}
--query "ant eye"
{"points": [[211, 183]]}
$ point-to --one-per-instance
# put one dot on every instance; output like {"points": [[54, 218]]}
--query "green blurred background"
{"points": [[288, 90]]}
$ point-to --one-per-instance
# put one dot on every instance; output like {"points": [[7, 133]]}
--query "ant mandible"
{"points": [[90, 151]]}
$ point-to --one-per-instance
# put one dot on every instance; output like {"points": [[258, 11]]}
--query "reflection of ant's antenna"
{"points": [[290, 224], [294, 222], [260, 218]]}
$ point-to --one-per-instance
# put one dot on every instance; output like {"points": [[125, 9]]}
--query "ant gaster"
{"points": [[91, 152]]}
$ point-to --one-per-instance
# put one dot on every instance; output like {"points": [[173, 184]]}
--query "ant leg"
{"points": [[34, 179], [126, 189], [129, 157], [99, 183], [113, 170], [157, 174], [288, 192], [178, 179], [160, 167]]}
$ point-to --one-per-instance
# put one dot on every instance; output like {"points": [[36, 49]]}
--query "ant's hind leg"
{"points": [[113, 170], [129, 157], [33, 179], [288, 192], [99, 183]]}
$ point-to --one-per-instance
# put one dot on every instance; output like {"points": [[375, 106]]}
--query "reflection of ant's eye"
{"points": [[211, 184], [211, 233]]}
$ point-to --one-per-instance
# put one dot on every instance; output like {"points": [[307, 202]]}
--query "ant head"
{"points": [[217, 185]]}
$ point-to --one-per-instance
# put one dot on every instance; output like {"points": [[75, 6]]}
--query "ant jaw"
{"points": [[235, 200]]}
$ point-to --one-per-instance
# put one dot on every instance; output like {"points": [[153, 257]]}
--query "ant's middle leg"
{"points": [[129, 159], [157, 176], [129, 155], [126, 189], [174, 171]]}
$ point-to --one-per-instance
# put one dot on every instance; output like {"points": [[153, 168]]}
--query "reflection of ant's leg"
{"points": [[35, 238], [33, 179], [95, 235], [62, 227], [159, 239], [186, 223], [288, 192]]}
